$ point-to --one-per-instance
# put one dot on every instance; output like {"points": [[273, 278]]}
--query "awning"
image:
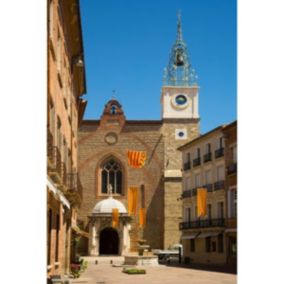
{"points": [[208, 234], [51, 186], [80, 232], [189, 237]]}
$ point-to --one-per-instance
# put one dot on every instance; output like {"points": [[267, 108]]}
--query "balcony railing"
{"points": [[196, 162], [219, 152], [186, 166], [186, 193], [202, 224], [207, 157], [209, 187], [219, 185], [231, 169]]}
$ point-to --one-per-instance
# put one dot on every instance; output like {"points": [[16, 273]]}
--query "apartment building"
{"points": [[65, 108], [203, 238], [230, 135]]}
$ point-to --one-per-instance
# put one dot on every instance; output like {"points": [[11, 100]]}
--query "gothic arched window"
{"points": [[111, 174]]}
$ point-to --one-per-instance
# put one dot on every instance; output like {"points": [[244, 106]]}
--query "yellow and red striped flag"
{"points": [[115, 217], [201, 202], [132, 200], [142, 217], [136, 159]]}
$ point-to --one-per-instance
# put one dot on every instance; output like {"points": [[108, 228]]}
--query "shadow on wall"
{"points": [[154, 230]]}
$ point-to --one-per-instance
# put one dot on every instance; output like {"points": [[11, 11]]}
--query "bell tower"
{"points": [[179, 97], [179, 100]]}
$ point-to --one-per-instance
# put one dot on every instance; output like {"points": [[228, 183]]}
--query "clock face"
{"points": [[180, 101]]}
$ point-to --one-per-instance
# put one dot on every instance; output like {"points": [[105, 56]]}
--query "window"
{"points": [[111, 174], [232, 203], [49, 235], [187, 214], [209, 211], [220, 208], [198, 152], [188, 157], [113, 109], [58, 51], [57, 238], [220, 243], [213, 246], [208, 148], [208, 244], [192, 245], [50, 19], [197, 180], [196, 217], [221, 142], [207, 177]]}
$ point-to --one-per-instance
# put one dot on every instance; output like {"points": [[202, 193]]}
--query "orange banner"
{"points": [[132, 200], [136, 159], [201, 202], [142, 217], [115, 217]]}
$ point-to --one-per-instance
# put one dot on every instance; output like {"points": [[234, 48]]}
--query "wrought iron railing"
{"points": [[231, 169], [219, 185], [207, 157], [186, 166], [209, 187], [196, 162], [220, 222], [186, 193], [219, 152]]}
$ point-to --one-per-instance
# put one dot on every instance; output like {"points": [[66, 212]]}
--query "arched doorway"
{"points": [[109, 241]]}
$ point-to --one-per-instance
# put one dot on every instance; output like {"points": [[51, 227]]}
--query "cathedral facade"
{"points": [[103, 163]]}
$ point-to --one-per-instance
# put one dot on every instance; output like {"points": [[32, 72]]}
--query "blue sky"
{"points": [[127, 44]]}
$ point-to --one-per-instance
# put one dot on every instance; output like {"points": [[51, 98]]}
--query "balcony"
{"points": [[194, 191], [196, 162], [219, 152], [219, 185], [186, 193], [186, 166], [202, 224], [74, 188], [232, 169], [207, 157], [209, 187]]}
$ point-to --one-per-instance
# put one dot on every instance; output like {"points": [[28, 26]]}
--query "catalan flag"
{"points": [[201, 202], [136, 159], [132, 200], [115, 217], [142, 217]]}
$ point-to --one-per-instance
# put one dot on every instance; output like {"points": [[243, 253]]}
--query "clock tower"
{"points": [[179, 100]]}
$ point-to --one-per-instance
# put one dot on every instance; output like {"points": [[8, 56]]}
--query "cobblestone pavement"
{"points": [[105, 273]]}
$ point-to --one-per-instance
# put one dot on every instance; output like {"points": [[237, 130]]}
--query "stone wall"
{"points": [[93, 149]]}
